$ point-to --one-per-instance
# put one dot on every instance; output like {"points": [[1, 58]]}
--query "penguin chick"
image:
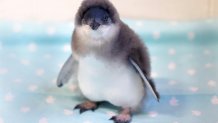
{"points": [[109, 61]]}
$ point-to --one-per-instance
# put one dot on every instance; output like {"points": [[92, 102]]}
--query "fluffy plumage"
{"points": [[123, 46], [105, 72]]}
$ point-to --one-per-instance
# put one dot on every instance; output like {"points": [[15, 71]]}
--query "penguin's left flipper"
{"points": [[139, 58], [68, 72], [148, 82]]}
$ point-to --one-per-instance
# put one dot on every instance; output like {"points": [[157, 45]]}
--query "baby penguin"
{"points": [[109, 61]]}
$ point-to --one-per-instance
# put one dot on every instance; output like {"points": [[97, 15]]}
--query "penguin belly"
{"points": [[115, 82]]}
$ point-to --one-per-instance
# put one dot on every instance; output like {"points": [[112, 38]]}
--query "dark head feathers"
{"points": [[105, 4]]}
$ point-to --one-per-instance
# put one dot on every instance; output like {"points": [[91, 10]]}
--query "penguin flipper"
{"points": [[144, 78], [68, 71]]}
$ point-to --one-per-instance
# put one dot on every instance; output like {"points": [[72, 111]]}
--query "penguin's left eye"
{"points": [[105, 19]]}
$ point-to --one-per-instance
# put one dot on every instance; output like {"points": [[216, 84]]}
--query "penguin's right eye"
{"points": [[83, 20]]}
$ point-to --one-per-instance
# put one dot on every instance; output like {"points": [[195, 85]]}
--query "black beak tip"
{"points": [[60, 85], [94, 26]]}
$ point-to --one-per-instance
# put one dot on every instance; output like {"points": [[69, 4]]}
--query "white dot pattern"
{"points": [[183, 66]]}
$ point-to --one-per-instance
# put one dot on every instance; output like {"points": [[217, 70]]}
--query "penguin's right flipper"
{"points": [[68, 72]]}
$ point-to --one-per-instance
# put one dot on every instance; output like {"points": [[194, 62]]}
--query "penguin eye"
{"points": [[83, 21], [105, 19]]}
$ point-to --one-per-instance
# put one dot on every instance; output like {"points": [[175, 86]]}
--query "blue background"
{"points": [[184, 65]]}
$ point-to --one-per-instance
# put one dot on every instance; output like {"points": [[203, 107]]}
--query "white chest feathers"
{"points": [[100, 80]]}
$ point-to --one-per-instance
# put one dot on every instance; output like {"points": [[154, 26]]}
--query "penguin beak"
{"points": [[94, 25]]}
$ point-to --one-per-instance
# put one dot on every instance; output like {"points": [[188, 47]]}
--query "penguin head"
{"points": [[97, 22], [96, 17]]}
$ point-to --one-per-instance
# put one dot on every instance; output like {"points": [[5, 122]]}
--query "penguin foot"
{"points": [[86, 106], [124, 117]]}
